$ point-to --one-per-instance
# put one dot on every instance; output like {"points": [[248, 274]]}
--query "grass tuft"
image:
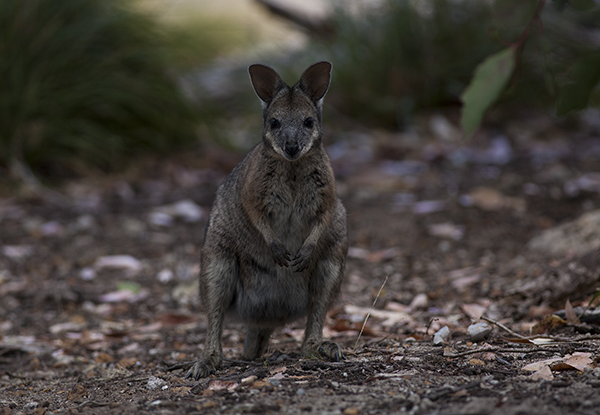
{"points": [[84, 83]]}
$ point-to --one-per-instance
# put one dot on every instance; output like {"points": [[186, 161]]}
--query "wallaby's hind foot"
{"points": [[326, 350]]}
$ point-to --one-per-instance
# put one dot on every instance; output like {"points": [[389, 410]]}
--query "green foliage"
{"points": [[489, 80], [584, 76], [84, 83], [565, 54], [391, 60]]}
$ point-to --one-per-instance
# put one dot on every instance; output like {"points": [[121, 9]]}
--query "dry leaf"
{"points": [[535, 366], [181, 390], [547, 324], [570, 314], [544, 373], [249, 380], [217, 385], [490, 199], [474, 311], [77, 393], [104, 358], [576, 361]]}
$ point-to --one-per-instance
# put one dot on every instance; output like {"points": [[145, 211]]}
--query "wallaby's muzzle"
{"points": [[292, 149]]}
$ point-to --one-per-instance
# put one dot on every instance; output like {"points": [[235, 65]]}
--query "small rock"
{"points": [[441, 335], [87, 274], [479, 331], [165, 275], [160, 219]]}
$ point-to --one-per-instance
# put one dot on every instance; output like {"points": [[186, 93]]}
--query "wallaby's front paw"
{"points": [[280, 254], [302, 258], [326, 350], [201, 369]]}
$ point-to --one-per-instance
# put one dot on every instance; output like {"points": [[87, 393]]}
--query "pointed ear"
{"points": [[265, 81], [315, 80]]}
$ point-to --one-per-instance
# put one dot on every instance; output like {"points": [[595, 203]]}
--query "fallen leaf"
{"points": [[281, 369], [353, 410], [570, 314], [544, 373], [490, 199], [260, 384], [104, 358], [535, 366], [127, 263], [446, 230], [377, 256], [216, 385], [249, 380], [576, 361], [476, 362], [547, 324], [474, 311], [77, 393], [389, 317], [181, 390], [127, 362]]}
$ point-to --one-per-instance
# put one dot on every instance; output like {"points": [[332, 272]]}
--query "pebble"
{"points": [[479, 331], [441, 335]]}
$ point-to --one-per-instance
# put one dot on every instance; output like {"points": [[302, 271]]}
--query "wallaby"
{"points": [[275, 243]]}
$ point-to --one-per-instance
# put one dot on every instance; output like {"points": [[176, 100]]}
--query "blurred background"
{"points": [[89, 85]]}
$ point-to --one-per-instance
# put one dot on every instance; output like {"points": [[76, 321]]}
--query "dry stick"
{"points": [[503, 327], [369, 313], [502, 350]]}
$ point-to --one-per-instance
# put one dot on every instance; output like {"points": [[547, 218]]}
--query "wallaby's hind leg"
{"points": [[256, 343], [217, 282], [324, 288]]}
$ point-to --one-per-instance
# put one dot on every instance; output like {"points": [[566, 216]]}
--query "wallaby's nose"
{"points": [[291, 149]]}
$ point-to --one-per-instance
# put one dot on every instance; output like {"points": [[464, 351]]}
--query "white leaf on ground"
{"points": [[446, 230], [389, 317], [127, 263]]}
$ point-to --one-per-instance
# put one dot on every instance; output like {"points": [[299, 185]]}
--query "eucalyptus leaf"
{"points": [[489, 80]]}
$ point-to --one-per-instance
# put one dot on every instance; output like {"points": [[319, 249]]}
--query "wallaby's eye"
{"points": [[309, 122], [274, 124]]}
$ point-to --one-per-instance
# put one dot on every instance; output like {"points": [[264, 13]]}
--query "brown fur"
{"points": [[276, 243]]}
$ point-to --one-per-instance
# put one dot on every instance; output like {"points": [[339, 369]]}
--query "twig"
{"points": [[503, 327], [493, 349], [369, 313]]}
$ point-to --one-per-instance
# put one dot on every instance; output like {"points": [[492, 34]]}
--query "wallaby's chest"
{"points": [[294, 194]]}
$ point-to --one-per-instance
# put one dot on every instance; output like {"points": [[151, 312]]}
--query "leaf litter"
{"points": [[105, 291]]}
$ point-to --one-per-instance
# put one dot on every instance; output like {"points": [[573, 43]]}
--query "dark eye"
{"points": [[309, 122], [274, 124]]}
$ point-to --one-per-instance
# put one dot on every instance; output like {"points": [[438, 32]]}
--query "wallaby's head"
{"points": [[291, 115]]}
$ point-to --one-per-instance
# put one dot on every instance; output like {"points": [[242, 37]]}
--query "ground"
{"points": [[98, 294]]}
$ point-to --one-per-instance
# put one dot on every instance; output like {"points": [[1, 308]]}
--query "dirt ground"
{"points": [[98, 292]]}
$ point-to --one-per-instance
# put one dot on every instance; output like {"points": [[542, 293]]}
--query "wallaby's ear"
{"points": [[265, 81], [315, 80]]}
